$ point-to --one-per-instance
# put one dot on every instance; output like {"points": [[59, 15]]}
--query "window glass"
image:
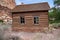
{"points": [[36, 20], [22, 20]]}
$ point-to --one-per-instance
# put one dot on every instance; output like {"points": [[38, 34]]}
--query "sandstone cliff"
{"points": [[5, 7], [8, 3]]}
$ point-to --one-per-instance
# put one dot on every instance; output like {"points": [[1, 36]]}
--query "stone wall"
{"points": [[29, 25]]}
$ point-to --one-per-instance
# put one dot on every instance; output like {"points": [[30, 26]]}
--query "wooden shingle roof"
{"points": [[31, 7]]}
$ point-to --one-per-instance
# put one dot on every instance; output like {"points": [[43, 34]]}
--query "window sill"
{"points": [[36, 24], [22, 24]]}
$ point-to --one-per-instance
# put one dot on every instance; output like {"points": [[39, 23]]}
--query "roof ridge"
{"points": [[32, 7], [34, 3]]}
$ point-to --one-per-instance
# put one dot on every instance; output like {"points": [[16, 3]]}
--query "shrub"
{"points": [[56, 25], [1, 21]]}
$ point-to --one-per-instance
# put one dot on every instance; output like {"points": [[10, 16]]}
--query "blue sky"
{"points": [[34, 1]]}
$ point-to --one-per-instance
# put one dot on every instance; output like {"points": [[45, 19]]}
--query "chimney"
{"points": [[22, 3]]}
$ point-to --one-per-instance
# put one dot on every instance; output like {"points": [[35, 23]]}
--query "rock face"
{"points": [[8, 3], [5, 7], [5, 14]]}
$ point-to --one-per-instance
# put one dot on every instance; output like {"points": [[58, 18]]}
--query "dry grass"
{"points": [[7, 34]]}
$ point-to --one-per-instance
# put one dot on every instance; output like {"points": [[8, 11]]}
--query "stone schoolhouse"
{"points": [[30, 17]]}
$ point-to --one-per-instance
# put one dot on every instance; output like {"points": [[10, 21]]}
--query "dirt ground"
{"points": [[8, 34], [54, 35]]}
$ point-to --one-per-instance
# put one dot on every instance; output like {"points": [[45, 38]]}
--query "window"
{"points": [[36, 20], [22, 20]]}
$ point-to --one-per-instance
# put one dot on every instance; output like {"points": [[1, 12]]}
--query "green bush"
{"points": [[1, 21], [54, 21]]}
